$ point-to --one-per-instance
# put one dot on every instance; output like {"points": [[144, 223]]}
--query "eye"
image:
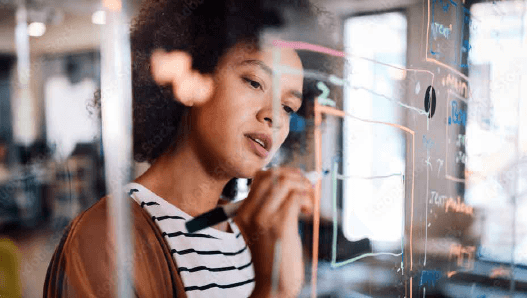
{"points": [[288, 110], [253, 84]]}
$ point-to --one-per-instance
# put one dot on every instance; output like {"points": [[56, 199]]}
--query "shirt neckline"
{"points": [[211, 231]]}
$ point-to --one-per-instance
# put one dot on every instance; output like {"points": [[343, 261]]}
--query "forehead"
{"points": [[242, 52]]}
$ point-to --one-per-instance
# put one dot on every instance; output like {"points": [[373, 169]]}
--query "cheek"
{"points": [[233, 96], [222, 108], [285, 131]]}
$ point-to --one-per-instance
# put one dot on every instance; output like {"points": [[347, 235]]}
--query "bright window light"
{"points": [[496, 127], [373, 189], [36, 29]]}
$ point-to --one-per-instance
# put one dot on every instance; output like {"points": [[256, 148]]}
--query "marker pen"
{"points": [[222, 213]]}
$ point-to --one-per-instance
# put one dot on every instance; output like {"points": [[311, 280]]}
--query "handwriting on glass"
{"points": [[457, 116], [323, 98], [429, 277], [458, 206], [464, 255], [442, 30]]}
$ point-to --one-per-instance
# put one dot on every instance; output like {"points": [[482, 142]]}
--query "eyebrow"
{"points": [[297, 94], [259, 63], [268, 70]]}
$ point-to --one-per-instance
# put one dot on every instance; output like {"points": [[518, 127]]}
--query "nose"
{"points": [[266, 115]]}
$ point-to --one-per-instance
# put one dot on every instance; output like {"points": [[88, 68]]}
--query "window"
{"points": [[496, 135], [374, 154]]}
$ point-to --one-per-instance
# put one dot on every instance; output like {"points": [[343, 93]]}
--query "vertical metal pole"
{"points": [[116, 93], [23, 70], [22, 45]]}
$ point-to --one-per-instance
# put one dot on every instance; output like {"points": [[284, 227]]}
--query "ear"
{"points": [[189, 86]]}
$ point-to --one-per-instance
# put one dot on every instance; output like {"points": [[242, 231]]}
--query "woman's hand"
{"points": [[270, 212]]}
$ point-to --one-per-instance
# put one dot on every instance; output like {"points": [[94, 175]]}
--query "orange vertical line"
{"points": [[411, 288], [331, 111], [412, 207], [316, 213]]}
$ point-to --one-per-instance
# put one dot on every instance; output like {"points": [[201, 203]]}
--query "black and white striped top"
{"points": [[211, 263]]}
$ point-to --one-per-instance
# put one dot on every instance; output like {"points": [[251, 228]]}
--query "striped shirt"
{"points": [[211, 263]]}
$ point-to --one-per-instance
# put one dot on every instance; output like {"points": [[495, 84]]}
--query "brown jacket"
{"points": [[83, 263]]}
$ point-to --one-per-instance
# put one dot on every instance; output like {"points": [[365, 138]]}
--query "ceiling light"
{"points": [[36, 29]]}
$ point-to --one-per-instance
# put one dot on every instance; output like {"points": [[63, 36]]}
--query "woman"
{"points": [[202, 88]]}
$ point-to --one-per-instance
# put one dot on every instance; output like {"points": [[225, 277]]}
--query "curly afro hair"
{"points": [[205, 29]]}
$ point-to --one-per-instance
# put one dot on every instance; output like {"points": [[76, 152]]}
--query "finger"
{"points": [[259, 186], [285, 219], [252, 211], [273, 220], [307, 205], [272, 190], [264, 179], [283, 191], [297, 181]]}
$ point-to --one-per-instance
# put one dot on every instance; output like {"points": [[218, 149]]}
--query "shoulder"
{"points": [[90, 224], [85, 259], [93, 228]]}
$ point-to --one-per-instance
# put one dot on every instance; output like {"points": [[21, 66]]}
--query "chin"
{"points": [[249, 168], [249, 172], [245, 164]]}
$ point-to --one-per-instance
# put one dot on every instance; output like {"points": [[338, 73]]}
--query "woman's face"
{"points": [[233, 132]]}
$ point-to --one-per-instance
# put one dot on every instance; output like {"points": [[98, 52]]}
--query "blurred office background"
{"points": [[52, 163], [51, 159]]}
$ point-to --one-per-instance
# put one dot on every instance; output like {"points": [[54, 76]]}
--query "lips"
{"points": [[260, 142]]}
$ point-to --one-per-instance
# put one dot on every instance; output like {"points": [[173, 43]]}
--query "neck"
{"points": [[182, 179]]}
